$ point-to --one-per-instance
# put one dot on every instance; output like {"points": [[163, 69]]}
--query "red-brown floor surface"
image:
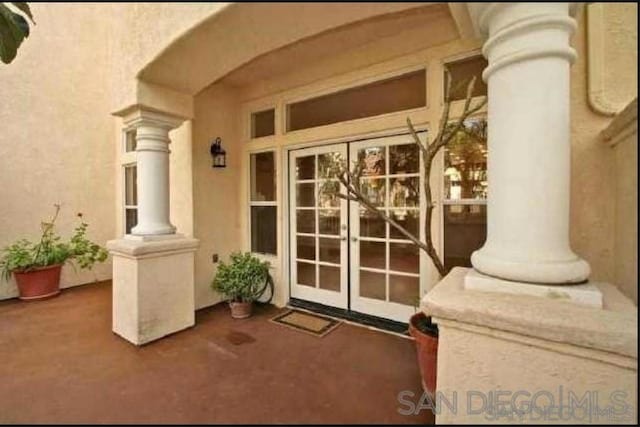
{"points": [[60, 363]]}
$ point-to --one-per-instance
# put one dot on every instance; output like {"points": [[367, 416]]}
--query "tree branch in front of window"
{"points": [[351, 178]]}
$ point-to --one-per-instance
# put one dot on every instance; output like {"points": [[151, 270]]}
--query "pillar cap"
{"points": [[138, 115], [612, 329]]}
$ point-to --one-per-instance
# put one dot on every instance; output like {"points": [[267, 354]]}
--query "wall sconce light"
{"points": [[218, 155]]}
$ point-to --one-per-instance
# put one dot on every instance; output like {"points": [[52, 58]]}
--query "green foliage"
{"points": [[243, 279], [14, 28], [24, 255]]}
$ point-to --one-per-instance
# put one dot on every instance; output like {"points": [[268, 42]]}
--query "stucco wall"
{"points": [[215, 191], [56, 141], [622, 138]]}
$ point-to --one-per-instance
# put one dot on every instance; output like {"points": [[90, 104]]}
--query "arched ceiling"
{"points": [[239, 33]]}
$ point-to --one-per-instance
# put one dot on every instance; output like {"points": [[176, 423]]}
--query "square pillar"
{"points": [[153, 287]]}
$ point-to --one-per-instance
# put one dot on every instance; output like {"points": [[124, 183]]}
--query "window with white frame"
{"points": [[130, 197], [465, 193], [262, 203], [129, 181]]}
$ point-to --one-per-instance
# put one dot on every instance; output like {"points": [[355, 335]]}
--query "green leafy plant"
{"points": [[244, 279], [23, 255], [14, 28]]}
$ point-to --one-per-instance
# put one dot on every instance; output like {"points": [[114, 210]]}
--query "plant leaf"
{"points": [[13, 29], [24, 8]]}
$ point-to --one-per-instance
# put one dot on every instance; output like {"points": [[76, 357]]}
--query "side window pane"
{"points": [[263, 177], [461, 73], [465, 158], [131, 185], [465, 230], [263, 229], [263, 123], [130, 141], [131, 219]]}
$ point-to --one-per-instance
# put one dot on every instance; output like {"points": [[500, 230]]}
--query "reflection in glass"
{"points": [[465, 175], [329, 250], [329, 221], [404, 159], [465, 230], [374, 190], [404, 289], [263, 177], [131, 185], [264, 239], [328, 194], [329, 278], [306, 274], [305, 221], [404, 192], [305, 167], [373, 285], [404, 257], [373, 254], [372, 160], [306, 247], [329, 165], [131, 219], [371, 225], [409, 219], [305, 195]]}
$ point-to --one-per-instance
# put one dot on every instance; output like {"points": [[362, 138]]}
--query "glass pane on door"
{"points": [[318, 239]]}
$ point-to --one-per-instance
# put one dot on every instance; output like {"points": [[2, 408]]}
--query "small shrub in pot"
{"points": [[241, 281]]}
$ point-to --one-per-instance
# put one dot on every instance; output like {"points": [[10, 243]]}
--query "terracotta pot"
{"points": [[427, 349], [240, 310], [39, 283]]}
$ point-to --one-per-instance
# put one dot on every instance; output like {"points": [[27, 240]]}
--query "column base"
{"points": [[520, 359], [566, 272], [586, 294], [153, 286]]}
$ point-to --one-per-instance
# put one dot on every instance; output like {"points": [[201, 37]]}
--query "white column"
{"points": [[152, 158], [529, 56]]}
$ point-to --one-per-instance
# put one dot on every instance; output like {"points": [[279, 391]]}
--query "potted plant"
{"points": [[37, 266], [241, 282], [425, 333]]}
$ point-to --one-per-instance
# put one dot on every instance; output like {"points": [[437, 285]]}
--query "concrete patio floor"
{"points": [[60, 363]]}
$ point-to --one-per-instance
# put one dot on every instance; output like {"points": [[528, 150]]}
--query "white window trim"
{"points": [[127, 159], [256, 203]]}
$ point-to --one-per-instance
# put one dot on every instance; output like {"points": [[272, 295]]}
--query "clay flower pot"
{"points": [[427, 349], [39, 283], [240, 310]]}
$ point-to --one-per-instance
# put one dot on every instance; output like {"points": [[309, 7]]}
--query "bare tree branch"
{"points": [[351, 179]]}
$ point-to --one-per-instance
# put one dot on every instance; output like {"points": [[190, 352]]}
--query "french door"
{"points": [[343, 255], [318, 227]]}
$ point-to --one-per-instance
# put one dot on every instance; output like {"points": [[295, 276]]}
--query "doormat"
{"points": [[313, 324]]}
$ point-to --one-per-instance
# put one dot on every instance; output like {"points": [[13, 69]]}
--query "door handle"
{"points": [[343, 238], [354, 239]]}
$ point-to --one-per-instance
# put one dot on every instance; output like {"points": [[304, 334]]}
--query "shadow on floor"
{"points": [[60, 363]]}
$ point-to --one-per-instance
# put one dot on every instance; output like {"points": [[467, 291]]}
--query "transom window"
{"points": [[399, 93], [461, 73]]}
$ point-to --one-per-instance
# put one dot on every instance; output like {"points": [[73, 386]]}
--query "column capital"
{"points": [[482, 13], [137, 117]]}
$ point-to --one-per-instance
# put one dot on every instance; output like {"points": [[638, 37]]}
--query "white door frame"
{"points": [[316, 294], [349, 295]]}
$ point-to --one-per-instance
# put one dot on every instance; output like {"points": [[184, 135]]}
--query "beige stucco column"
{"points": [[152, 159], [153, 268], [529, 55]]}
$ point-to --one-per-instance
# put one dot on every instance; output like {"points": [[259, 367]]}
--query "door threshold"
{"points": [[358, 319]]}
